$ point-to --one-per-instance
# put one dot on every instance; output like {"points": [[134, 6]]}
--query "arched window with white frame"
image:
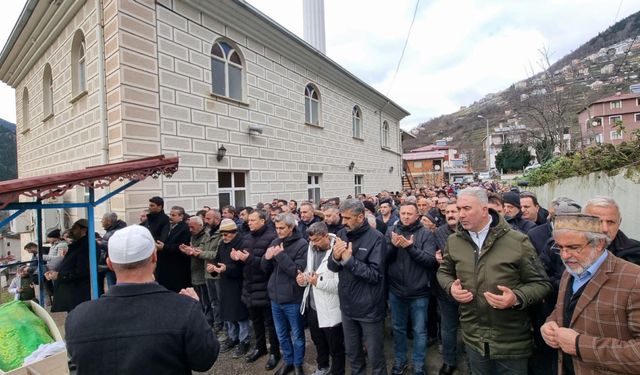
{"points": [[78, 64], [226, 70], [385, 134], [356, 122], [47, 93], [311, 105]]}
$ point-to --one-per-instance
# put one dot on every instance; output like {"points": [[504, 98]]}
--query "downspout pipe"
{"points": [[102, 91]]}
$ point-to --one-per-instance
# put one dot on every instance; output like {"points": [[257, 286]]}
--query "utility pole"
{"points": [[488, 143]]}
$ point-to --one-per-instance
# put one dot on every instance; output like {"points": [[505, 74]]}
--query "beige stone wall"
{"points": [[195, 123], [132, 94], [70, 139]]}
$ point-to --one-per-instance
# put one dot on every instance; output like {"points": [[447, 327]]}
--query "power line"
{"points": [[406, 41], [618, 11]]}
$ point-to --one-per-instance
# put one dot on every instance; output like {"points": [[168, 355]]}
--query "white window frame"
{"points": [[358, 180], [637, 102], [356, 122], [311, 101], [612, 119], [233, 189], [616, 104], [314, 181], [226, 60], [636, 117], [616, 134], [79, 66], [599, 139], [385, 134], [47, 93]]}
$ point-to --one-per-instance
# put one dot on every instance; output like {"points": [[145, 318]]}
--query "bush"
{"points": [[605, 157]]}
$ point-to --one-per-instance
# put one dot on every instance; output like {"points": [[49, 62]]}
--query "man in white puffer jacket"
{"points": [[321, 302]]}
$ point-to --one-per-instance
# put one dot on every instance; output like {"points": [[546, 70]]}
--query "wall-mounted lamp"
{"points": [[221, 153], [391, 169], [255, 129], [351, 166]]}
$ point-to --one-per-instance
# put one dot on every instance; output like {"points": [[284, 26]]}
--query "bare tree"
{"points": [[545, 105]]}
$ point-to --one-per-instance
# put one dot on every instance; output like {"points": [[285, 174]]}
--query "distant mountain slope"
{"points": [[7, 125], [607, 63], [8, 157]]}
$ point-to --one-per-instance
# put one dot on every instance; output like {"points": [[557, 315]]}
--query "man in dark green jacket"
{"points": [[495, 275]]}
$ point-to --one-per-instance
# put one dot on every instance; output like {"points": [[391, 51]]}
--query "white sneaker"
{"points": [[322, 371]]}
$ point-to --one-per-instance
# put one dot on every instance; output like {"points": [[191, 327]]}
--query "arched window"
{"points": [[78, 64], [311, 105], [47, 93], [385, 134], [356, 121], [25, 110], [226, 70]]}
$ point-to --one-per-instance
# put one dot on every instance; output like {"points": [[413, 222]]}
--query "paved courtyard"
{"points": [[226, 365]]}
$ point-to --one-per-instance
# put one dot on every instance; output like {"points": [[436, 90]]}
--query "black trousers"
{"points": [[203, 294], [329, 342], [262, 321], [358, 334]]}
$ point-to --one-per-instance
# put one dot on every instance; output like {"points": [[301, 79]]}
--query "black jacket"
{"points": [[520, 224], [410, 269], [335, 228], [254, 289], [438, 217], [158, 225], [150, 330], [73, 285], [173, 270], [625, 248], [441, 235], [231, 308], [110, 231], [361, 287], [542, 216], [284, 268], [302, 226]]}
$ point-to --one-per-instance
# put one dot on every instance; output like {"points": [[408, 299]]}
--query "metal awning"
{"points": [[55, 185]]}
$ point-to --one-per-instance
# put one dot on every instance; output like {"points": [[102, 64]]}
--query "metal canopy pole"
{"points": [[93, 259], [41, 285]]}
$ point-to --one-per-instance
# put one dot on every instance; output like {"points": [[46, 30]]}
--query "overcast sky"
{"points": [[458, 51]]}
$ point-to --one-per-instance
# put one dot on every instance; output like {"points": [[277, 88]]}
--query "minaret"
{"points": [[313, 11]]}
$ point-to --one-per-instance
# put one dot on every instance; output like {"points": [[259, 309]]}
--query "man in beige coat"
{"points": [[596, 322]]}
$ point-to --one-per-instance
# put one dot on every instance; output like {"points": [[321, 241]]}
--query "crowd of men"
{"points": [[532, 290]]}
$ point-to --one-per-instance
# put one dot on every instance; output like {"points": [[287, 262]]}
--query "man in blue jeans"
{"points": [[358, 257], [287, 256], [448, 306], [411, 265]]}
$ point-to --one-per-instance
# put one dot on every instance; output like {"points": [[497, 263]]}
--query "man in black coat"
{"points": [[287, 256], [307, 217], [72, 283], [232, 311], [544, 358], [609, 213], [144, 328], [359, 258], [157, 221], [110, 223], [332, 218], [254, 290], [174, 267], [411, 265], [513, 215], [448, 306]]}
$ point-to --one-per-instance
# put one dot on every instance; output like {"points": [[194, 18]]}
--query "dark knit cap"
{"points": [[54, 233], [512, 198], [369, 206]]}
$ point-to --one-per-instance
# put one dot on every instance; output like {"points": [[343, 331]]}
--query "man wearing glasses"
{"points": [[596, 322]]}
